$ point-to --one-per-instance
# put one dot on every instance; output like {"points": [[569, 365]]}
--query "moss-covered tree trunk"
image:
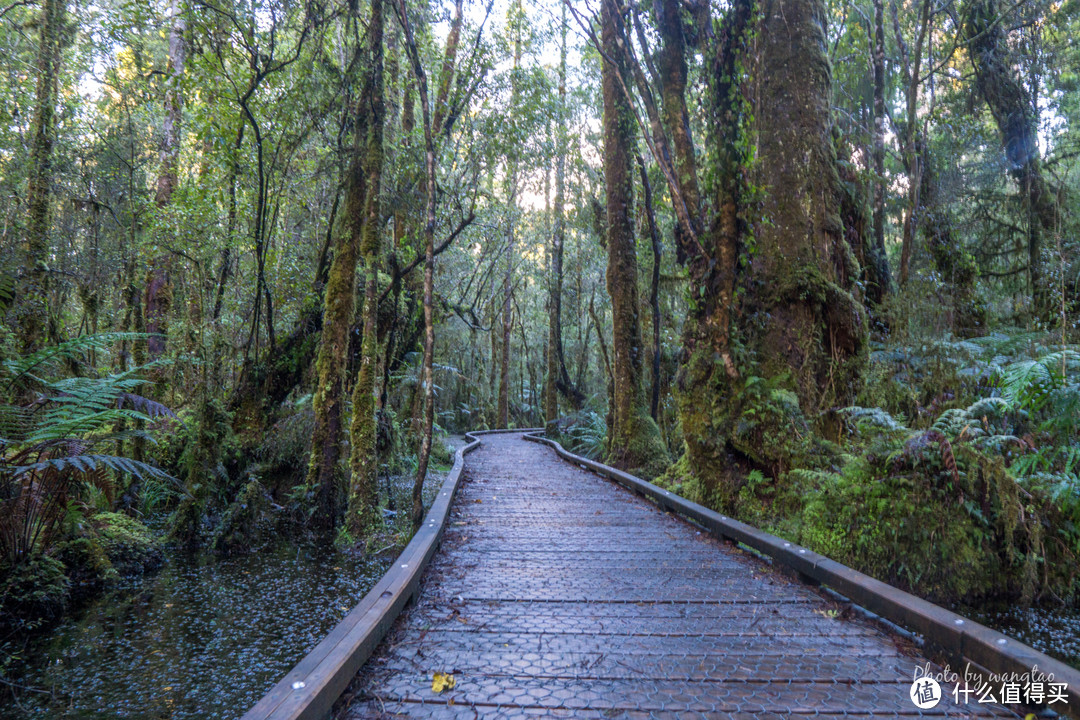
{"points": [[776, 338], [634, 443], [364, 462], [671, 64], [324, 469], [33, 299]]}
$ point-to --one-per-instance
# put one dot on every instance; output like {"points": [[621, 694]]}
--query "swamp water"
{"points": [[201, 638]]}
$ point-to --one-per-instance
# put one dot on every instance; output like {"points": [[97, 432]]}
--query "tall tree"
{"points": [[503, 403], [800, 334], [339, 308], [34, 306], [1014, 112], [672, 67], [635, 443], [556, 366], [360, 513], [910, 134], [880, 280]]}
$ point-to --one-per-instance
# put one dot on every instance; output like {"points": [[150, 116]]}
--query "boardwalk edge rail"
{"points": [[959, 638], [310, 689]]}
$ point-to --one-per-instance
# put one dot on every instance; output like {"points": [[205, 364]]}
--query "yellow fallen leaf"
{"points": [[442, 681]]}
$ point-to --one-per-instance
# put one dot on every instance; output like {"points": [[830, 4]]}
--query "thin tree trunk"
{"points": [[912, 70], [558, 239], [882, 286], [34, 310], [671, 63], [634, 443], [426, 373], [503, 408], [654, 290]]}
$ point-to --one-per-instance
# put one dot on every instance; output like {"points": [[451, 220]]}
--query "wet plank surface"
{"points": [[559, 594]]}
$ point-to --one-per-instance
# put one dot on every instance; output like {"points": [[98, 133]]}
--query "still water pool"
{"points": [[201, 638]]}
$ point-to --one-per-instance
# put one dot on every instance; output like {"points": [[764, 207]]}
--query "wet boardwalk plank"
{"points": [[559, 594]]}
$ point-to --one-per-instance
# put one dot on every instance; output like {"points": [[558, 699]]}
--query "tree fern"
{"points": [[51, 445]]}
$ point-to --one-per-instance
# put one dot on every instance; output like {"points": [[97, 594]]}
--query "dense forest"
{"points": [[813, 263]]}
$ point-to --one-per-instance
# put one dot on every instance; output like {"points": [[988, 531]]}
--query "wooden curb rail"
{"points": [[309, 690], [960, 639]]}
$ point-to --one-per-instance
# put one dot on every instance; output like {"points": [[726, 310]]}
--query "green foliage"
{"points": [[51, 445], [584, 433], [980, 501], [32, 593]]}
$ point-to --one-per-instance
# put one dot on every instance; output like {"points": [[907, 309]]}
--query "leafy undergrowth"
{"points": [[958, 478]]}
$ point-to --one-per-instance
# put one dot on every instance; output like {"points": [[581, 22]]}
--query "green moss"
{"points": [[87, 566], [129, 545]]}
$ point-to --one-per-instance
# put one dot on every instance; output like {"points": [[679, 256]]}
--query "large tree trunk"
{"points": [[801, 332], [634, 443], [33, 304], [1014, 113], [324, 472], [362, 504]]}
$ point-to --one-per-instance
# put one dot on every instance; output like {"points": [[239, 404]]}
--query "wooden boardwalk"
{"points": [[559, 594]]}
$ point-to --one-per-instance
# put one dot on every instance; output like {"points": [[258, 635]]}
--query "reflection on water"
{"points": [[199, 639]]}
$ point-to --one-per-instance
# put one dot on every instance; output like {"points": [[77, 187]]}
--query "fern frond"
{"points": [[86, 464], [25, 367], [951, 422], [146, 406], [874, 417], [988, 407]]}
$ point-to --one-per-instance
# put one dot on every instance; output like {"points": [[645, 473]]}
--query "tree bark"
{"points": [[503, 406], [427, 366], [363, 486], [34, 306], [654, 290], [801, 333], [880, 284], [324, 471], [635, 443], [671, 63], [558, 239]]}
